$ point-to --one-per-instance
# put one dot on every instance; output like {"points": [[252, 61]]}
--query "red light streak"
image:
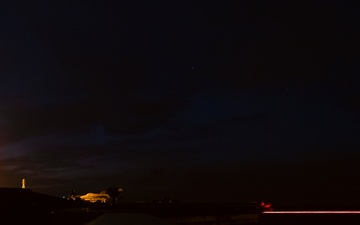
{"points": [[313, 212]]}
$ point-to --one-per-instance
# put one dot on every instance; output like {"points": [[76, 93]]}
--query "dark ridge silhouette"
{"points": [[19, 205], [25, 199]]}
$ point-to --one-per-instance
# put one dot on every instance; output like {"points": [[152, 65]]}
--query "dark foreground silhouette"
{"points": [[20, 206]]}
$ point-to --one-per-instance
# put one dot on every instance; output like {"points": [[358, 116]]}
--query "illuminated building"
{"points": [[101, 197]]}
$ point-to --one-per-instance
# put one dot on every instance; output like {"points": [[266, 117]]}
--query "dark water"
{"points": [[310, 219], [260, 219], [116, 218], [90, 218]]}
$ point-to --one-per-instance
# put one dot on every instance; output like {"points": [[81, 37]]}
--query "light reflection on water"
{"points": [[313, 212]]}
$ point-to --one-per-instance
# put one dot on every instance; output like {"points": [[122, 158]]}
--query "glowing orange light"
{"points": [[23, 183]]}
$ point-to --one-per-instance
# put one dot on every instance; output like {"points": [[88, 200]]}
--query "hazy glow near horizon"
{"points": [[314, 212]]}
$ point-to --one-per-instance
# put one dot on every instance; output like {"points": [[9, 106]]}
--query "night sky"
{"points": [[201, 101]]}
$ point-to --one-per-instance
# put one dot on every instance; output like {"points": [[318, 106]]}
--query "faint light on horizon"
{"points": [[314, 212], [23, 183]]}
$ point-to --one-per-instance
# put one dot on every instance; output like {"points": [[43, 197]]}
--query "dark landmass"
{"points": [[24, 205]]}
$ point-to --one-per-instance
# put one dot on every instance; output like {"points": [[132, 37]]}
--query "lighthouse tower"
{"points": [[23, 183]]}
